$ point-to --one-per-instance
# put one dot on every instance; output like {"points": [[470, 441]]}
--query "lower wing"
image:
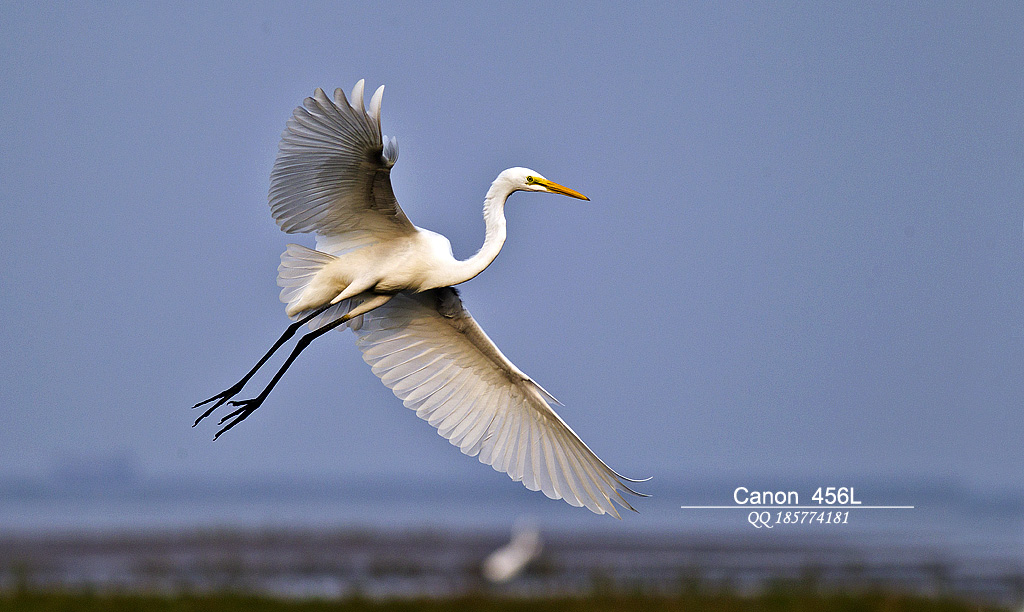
{"points": [[435, 357]]}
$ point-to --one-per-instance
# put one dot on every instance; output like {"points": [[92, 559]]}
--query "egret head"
{"points": [[524, 179]]}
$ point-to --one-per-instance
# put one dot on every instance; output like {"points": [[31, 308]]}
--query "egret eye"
{"points": [[530, 179]]}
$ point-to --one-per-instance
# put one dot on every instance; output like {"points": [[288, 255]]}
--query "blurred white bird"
{"points": [[505, 563], [391, 283]]}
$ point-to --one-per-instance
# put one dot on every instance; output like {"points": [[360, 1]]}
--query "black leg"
{"points": [[247, 407], [236, 388]]}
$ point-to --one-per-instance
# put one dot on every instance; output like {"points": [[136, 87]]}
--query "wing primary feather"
{"points": [[492, 435], [508, 438], [412, 380], [431, 401], [425, 404], [550, 464], [569, 474], [594, 455], [418, 397], [339, 97], [460, 434], [326, 109], [529, 467], [523, 452], [356, 99], [413, 397], [561, 469], [436, 411], [467, 420], [460, 413], [535, 462], [375, 104], [604, 475], [444, 418], [490, 447], [606, 486], [476, 435], [586, 479], [510, 454], [334, 114]]}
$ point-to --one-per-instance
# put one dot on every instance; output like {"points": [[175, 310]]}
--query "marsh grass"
{"points": [[772, 600]]}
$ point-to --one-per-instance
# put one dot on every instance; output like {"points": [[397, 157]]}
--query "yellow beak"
{"points": [[554, 187]]}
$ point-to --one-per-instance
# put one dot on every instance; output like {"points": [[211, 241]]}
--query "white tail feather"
{"points": [[299, 266]]}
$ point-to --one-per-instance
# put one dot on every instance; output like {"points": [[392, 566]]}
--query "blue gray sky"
{"points": [[803, 255]]}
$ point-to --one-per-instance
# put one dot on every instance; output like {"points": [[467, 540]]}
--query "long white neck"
{"points": [[494, 238]]}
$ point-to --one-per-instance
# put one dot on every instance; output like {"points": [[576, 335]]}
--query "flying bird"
{"points": [[508, 561], [392, 284]]}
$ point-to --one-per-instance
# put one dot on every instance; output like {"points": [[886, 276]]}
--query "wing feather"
{"points": [[477, 432], [443, 410], [509, 437], [482, 433], [428, 349], [488, 443], [532, 475], [332, 175], [423, 401], [553, 471]]}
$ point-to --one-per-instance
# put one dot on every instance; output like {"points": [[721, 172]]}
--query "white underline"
{"points": [[801, 507]]}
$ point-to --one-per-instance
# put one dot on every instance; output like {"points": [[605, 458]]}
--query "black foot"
{"points": [[246, 407], [221, 397]]}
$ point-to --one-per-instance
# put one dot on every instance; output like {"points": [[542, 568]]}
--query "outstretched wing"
{"points": [[333, 171], [428, 350]]}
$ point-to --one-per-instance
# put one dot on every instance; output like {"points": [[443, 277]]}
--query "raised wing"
{"points": [[428, 350], [333, 171]]}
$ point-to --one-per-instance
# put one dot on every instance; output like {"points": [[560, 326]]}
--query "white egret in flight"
{"points": [[391, 283], [508, 561]]}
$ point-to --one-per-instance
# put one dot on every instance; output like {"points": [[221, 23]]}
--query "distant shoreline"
{"points": [[312, 563]]}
